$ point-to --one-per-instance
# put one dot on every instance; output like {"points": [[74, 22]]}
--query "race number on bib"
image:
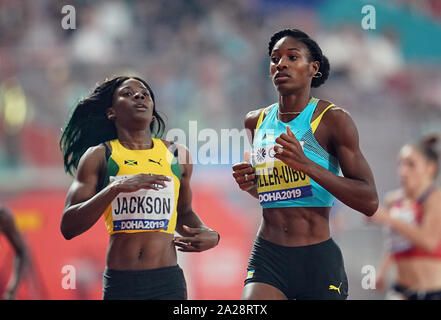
{"points": [[275, 180], [143, 209]]}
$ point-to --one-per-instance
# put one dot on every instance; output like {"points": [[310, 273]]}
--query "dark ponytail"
{"points": [[314, 51], [428, 148]]}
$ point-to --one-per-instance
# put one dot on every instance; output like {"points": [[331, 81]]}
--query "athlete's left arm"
{"points": [[427, 234], [8, 227], [356, 188], [196, 236]]}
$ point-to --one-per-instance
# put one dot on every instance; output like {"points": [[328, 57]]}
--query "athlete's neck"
{"points": [[415, 194], [135, 140], [294, 102]]}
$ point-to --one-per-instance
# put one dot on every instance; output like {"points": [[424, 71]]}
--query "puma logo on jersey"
{"points": [[157, 162], [332, 287]]}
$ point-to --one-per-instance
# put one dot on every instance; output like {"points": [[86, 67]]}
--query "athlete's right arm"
{"points": [[247, 184], [8, 227], [84, 206]]}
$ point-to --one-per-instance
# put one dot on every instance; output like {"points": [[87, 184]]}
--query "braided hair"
{"points": [[314, 51], [89, 126]]}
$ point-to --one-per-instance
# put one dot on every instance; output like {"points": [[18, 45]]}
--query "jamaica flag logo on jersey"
{"points": [[131, 162]]}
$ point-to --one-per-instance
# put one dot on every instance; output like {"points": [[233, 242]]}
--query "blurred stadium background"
{"points": [[206, 61]]}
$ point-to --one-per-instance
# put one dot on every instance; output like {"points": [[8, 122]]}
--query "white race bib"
{"points": [[276, 181], [143, 209]]}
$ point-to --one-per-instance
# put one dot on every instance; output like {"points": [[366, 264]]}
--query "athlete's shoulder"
{"points": [[166, 142], [432, 208], [92, 159], [96, 151], [179, 150], [339, 123], [340, 127], [335, 112], [252, 117]]}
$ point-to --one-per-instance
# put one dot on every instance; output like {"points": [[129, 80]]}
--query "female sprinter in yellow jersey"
{"points": [[306, 152], [140, 183], [412, 215]]}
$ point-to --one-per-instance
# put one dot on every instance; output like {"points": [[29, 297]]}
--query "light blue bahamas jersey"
{"points": [[277, 184]]}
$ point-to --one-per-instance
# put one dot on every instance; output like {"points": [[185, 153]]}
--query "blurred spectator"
{"points": [[368, 60], [429, 7]]}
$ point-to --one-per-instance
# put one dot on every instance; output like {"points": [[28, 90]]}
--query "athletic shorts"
{"points": [[409, 294], [313, 272], [166, 283]]}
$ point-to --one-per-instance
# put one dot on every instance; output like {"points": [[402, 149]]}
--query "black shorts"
{"points": [[410, 294], [166, 283], [304, 272]]}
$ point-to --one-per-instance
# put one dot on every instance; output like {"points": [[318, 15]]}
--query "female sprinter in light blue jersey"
{"points": [[306, 153]]}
